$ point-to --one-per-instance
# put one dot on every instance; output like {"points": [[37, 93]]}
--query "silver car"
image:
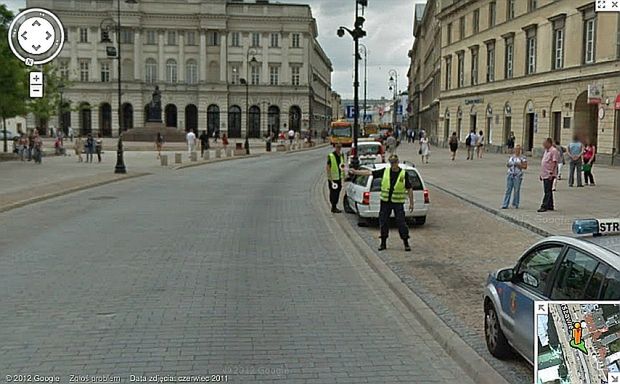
{"points": [[555, 268]]}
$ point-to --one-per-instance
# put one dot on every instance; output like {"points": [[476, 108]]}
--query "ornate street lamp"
{"points": [[393, 83], [246, 81]]}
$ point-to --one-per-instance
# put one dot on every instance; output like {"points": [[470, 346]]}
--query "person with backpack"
{"points": [[454, 144], [470, 143]]}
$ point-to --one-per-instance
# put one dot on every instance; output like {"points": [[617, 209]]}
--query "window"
{"points": [[295, 75], [509, 57], [589, 34], [150, 71], [611, 286], [449, 33], [274, 74], [448, 80], [530, 48], [474, 66], [84, 70], [275, 40], [573, 276], [151, 37], [126, 36], [492, 13], [172, 38], [295, 40], [557, 52], [531, 5], [191, 72], [235, 39], [510, 9], [535, 267], [462, 28], [255, 74], [476, 21], [236, 69], [105, 72], [490, 61], [171, 71], [213, 38], [83, 35], [64, 69], [461, 69], [255, 39], [191, 38]]}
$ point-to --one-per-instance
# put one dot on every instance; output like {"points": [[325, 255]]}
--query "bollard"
{"points": [[206, 155], [163, 160], [193, 156], [218, 153], [228, 152], [178, 158]]}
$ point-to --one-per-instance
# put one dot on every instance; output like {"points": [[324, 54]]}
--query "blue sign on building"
{"points": [[350, 111]]}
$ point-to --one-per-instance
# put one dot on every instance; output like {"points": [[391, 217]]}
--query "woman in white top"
{"points": [[480, 145], [425, 149]]}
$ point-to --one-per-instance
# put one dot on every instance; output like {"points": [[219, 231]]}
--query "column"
{"points": [[94, 119], [75, 120], [161, 66], [138, 113], [285, 75], [223, 56], [137, 55], [73, 62], [95, 73], [181, 63], [202, 60], [265, 58]]}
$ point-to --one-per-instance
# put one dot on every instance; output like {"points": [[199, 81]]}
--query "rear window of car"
{"points": [[361, 180], [369, 149], [416, 182]]}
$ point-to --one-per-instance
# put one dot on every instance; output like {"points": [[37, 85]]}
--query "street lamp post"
{"points": [[394, 86], [246, 81], [365, 51], [61, 89], [356, 33]]}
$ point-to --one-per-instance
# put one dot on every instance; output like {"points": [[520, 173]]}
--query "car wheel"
{"points": [[493, 334], [420, 220], [347, 205]]}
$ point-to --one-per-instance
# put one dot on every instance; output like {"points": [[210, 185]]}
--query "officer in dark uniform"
{"points": [[395, 188], [335, 176]]}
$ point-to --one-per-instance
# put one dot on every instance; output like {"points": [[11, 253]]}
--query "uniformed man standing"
{"points": [[335, 176], [395, 188]]}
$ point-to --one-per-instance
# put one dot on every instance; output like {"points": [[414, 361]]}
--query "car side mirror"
{"points": [[506, 275]]}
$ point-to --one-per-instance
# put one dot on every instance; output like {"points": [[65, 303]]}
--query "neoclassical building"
{"points": [[538, 68], [199, 53]]}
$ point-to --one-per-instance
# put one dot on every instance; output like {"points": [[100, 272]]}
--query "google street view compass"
{"points": [[36, 37]]}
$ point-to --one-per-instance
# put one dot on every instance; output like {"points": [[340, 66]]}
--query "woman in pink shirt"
{"points": [[589, 156]]}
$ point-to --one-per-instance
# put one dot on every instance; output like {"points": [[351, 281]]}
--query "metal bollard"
{"points": [[163, 160], [178, 158]]}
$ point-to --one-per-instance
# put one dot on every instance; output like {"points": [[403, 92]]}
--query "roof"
{"points": [[610, 242]]}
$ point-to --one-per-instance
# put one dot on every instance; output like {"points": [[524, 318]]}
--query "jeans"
{"points": [[470, 152], [89, 155], [574, 166], [547, 202], [334, 194], [513, 183], [384, 219], [98, 151]]}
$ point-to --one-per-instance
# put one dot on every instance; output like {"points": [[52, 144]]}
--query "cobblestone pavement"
{"points": [[484, 180], [224, 269]]}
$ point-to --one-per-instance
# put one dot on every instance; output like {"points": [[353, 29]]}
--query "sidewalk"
{"points": [[482, 182]]}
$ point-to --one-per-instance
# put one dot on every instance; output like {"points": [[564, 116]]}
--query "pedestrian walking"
{"points": [[216, 135], [31, 144], [78, 145], [335, 176], [224, 141], [324, 135], [390, 144], [99, 147], [395, 188], [454, 144], [89, 147], [561, 151], [190, 138], [510, 143], [159, 144], [589, 156], [575, 154], [37, 148], [480, 145], [23, 146], [291, 136], [548, 172], [470, 143], [71, 133], [425, 149], [516, 164], [204, 143]]}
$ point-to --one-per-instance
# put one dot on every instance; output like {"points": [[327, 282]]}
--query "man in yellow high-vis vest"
{"points": [[335, 176], [395, 189]]}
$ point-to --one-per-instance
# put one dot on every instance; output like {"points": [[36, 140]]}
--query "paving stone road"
{"points": [[222, 269]]}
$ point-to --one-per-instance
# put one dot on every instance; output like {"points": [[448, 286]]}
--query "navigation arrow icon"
{"points": [[36, 23], [37, 47], [541, 307], [48, 35], [24, 35], [614, 379]]}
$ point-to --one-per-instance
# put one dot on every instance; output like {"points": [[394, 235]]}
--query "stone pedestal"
{"points": [[240, 152], [149, 132], [178, 158], [193, 156], [229, 152], [218, 153], [206, 155], [164, 160], [281, 148]]}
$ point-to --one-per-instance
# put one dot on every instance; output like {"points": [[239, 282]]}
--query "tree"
{"points": [[13, 77]]}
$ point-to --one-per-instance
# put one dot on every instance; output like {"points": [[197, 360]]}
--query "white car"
{"points": [[363, 194]]}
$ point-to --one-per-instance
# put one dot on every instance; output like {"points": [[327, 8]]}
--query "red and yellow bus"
{"points": [[341, 132]]}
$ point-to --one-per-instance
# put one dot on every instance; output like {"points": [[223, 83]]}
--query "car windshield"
{"points": [[341, 131], [369, 150]]}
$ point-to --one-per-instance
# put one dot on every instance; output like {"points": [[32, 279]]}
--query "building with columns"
{"points": [[199, 53], [538, 68]]}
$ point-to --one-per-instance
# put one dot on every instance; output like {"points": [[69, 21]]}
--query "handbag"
{"points": [[586, 167], [420, 151]]}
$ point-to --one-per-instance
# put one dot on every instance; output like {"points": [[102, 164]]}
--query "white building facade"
{"points": [[199, 53]]}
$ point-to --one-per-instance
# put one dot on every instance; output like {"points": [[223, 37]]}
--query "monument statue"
{"points": [[154, 112]]}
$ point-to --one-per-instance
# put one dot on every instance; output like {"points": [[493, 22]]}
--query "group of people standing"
{"points": [[90, 146], [29, 147]]}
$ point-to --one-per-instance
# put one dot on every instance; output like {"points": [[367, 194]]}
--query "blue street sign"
{"points": [[350, 111], [367, 119]]}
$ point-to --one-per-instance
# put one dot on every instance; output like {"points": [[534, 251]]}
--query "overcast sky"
{"points": [[389, 24]]}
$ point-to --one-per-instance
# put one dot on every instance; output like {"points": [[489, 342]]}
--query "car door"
{"points": [[533, 276]]}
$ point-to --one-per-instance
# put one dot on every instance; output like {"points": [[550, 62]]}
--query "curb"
{"points": [[493, 211], [63, 192], [478, 369]]}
